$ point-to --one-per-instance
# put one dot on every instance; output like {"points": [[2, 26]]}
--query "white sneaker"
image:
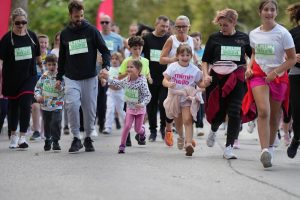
{"points": [[251, 126], [199, 131], [22, 143], [211, 138], [266, 158], [277, 141], [236, 144], [287, 139], [271, 151], [13, 141], [228, 154]]}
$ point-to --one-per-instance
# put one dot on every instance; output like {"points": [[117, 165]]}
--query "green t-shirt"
{"points": [[145, 69]]}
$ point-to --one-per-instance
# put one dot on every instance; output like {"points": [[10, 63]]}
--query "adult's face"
{"points": [[133, 29], [226, 27], [77, 16], [182, 27], [162, 27], [268, 13], [105, 23], [20, 23]]}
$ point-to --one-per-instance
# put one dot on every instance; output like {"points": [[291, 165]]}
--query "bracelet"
{"points": [[275, 72]]}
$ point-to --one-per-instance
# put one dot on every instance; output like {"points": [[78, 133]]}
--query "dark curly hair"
{"points": [[135, 41], [294, 12]]}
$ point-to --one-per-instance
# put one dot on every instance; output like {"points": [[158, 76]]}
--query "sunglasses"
{"points": [[181, 27], [104, 22], [17, 23]]}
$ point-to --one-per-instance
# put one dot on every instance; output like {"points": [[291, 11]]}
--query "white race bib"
{"points": [[131, 95], [109, 44], [78, 46], [23, 53], [231, 53], [265, 51], [155, 55]]}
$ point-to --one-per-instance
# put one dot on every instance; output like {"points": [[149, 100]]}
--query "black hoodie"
{"points": [[78, 52]]}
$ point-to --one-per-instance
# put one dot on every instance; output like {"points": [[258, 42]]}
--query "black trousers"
{"points": [[19, 111], [3, 111], [159, 94], [52, 124], [231, 106], [295, 105], [101, 105]]}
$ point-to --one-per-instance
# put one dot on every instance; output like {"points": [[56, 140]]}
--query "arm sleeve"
{"points": [[38, 88], [103, 50], [61, 60], [208, 51], [123, 67], [145, 92]]}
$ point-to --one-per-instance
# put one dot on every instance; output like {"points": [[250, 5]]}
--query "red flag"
{"points": [[4, 16], [106, 7]]}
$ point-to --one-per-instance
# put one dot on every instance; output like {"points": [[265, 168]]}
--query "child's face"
{"points": [[44, 43], [136, 50], [132, 70], [197, 42], [184, 58], [115, 61], [51, 66]]}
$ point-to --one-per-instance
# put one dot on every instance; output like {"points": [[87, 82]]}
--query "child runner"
{"points": [[115, 95], [51, 100], [137, 96], [182, 77]]}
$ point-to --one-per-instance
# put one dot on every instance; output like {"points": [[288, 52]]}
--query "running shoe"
{"points": [[228, 153], [169, 138]]}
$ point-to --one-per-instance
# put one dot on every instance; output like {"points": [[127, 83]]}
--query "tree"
{"points": [[19, 3]]}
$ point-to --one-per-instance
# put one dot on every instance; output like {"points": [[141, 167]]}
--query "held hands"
{"points": [[103, 74]]}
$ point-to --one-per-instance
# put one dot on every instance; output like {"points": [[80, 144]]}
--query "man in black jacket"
{"points": [[79, 43]]}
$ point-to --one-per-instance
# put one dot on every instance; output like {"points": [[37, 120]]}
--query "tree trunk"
{"points": [[19, 3]]}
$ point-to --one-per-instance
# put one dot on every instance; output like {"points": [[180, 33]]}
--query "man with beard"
{"points": [[154, 43], [79, 43]]}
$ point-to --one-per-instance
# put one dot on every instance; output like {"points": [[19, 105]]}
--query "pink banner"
{"points": [[4, 16], [106, 7]]}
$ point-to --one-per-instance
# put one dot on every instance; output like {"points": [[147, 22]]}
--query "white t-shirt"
{"points": [[183, 76], [176, 43], [270, 46]]}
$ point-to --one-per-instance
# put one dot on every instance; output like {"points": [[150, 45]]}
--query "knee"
{"points": [[263, 113], [187, 122]]}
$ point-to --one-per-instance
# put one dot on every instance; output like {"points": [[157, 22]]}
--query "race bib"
{"points": [[231, 53], [109, 44], [265, 50], [78, 46], [23, 53], [49, 90], [131, 95], [155, 55]]}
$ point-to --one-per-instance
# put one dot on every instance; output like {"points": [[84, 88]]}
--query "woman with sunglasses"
{"points": [[19, 53]]}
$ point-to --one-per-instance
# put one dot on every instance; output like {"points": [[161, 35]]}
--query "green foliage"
{"points": [[50, 16]]}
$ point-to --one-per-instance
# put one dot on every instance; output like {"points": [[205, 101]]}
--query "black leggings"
{"points": [[19, 111], [295, 105]]}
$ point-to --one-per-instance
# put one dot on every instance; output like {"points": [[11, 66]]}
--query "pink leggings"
{"points": [[138, 125]]}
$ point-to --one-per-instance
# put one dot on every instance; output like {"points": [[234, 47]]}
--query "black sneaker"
{"points": [[152, 137], [118, 125], [55, 146], [292, 149], [75, 146], [88, 144], [47, 145], [141, 139], [128, 141], [66, 130]]}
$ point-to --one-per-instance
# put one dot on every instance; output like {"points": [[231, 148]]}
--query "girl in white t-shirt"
{"points": [[183, 77], [273, 53]]}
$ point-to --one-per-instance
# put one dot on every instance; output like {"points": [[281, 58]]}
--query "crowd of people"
{"points": [[91, 75]]}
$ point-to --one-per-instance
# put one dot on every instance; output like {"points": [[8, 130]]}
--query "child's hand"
{"points": [[103, 82], [207, 80], [40, 99], [139, 105], [58, 85], [171, 85], [150, 80]]}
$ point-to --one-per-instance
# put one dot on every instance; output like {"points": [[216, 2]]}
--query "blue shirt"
{"points": [[113, 41]]}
